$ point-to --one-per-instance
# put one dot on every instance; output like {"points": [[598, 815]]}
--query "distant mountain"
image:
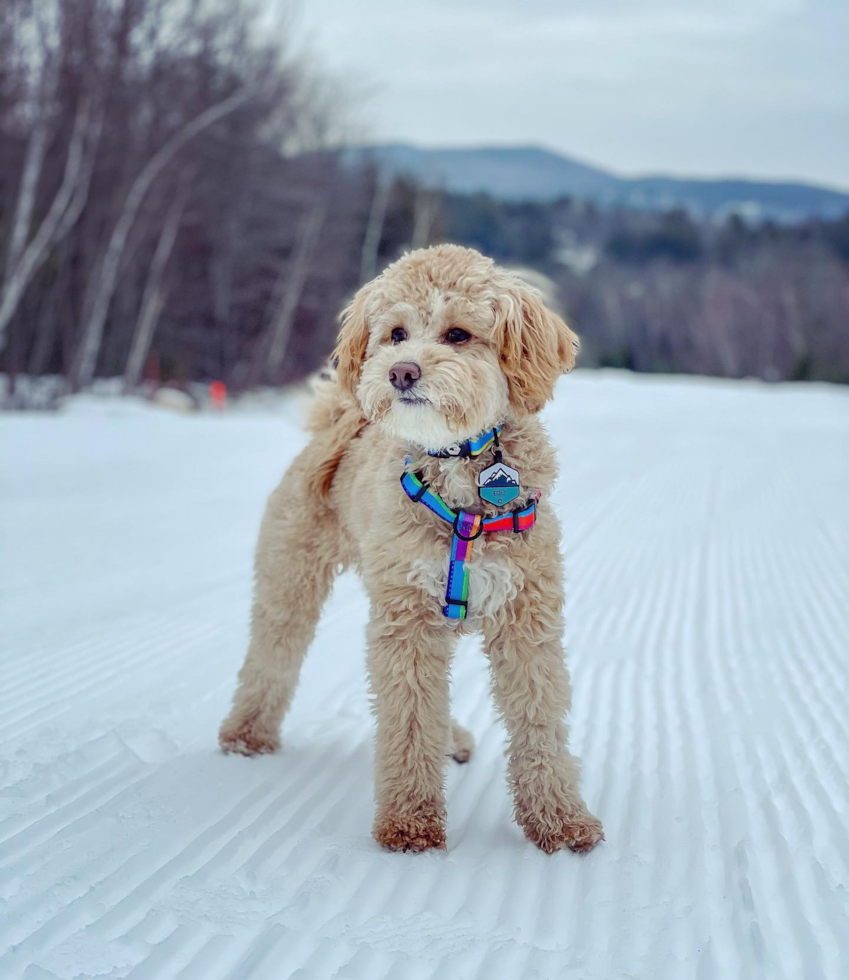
{"points": [[532, 173]]}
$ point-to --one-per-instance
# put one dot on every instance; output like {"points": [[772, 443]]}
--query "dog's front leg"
{"points": [[409, 652], [533, 694]]}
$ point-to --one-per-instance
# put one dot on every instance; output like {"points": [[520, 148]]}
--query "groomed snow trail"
{"points": [[707, 549]]}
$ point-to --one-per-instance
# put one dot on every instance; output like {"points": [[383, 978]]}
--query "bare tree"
{"points": [[82, 370], [271, 348], [423, 217], [55, 224], [45, 93], [152, 299], [374, 228], [308, 234], [22, 219]]}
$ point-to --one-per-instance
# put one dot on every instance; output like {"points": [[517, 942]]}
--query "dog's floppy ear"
{"points": [[537, 346], [351, 345]]}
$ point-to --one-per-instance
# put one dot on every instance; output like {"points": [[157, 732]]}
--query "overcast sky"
{"points": [[695, 87]]}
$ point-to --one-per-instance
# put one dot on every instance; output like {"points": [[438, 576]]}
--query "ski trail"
{"points": [[706, 538]]}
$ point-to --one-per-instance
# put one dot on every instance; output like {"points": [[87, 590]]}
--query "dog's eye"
{"points": [[457, 336], [399, 335]]}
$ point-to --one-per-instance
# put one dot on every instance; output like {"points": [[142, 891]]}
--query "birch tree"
{"points": [[293, 285], [153, 298], [82, 370], [63, 211], [374, 228]]}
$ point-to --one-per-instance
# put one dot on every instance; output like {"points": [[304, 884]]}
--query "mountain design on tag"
{"points": [[499, 478], [498, 484]]}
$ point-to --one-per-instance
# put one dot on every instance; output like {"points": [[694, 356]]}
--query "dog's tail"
{"points": [[336, 419]]}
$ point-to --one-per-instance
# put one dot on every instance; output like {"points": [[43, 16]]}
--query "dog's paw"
{"points": [[578, 833], [244, 740], [462, 743], [420, 830]]}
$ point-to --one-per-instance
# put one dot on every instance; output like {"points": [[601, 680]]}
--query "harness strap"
{"points": [[471, 447], [467, 528], [421, 493]]}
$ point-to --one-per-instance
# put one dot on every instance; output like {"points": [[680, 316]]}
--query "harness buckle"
{"points": [[515, 513], [423, 489], [463, 537], [420, 492]]}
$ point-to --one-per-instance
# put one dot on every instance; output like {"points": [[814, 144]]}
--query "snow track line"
{"points": [[129, 906], [63, 820], [283, 843], [317, 796], [81, 913], [32, 669], [788, 906], [168, 955], [41, 786], [103, 680], [57, 801]]}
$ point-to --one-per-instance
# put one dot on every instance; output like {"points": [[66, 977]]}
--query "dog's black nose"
{"points": [[404, 374]]}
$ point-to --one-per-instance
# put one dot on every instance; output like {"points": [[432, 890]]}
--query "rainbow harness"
{"points": [[467, 528]]}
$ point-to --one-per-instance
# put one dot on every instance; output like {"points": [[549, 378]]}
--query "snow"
{"points": [[706, 533]]}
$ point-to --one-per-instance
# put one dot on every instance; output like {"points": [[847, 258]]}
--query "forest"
{"points": [[664, 292], [176, 206]]}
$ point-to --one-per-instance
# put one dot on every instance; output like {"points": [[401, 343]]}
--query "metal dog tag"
{"points": [[498, 484]]}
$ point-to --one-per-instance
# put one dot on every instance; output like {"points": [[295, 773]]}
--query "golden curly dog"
{"points": [[440, 348]]}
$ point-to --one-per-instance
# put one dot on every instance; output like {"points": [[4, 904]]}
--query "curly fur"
{"points": [[316, 523]]}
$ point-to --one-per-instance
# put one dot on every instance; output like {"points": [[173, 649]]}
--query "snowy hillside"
{"points": [[707, 535]]}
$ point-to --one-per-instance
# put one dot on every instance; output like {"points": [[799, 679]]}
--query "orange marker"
{"points": [[218, 395]]}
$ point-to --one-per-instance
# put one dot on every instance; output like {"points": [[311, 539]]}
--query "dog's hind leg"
{"points": [[296, 560], [462, 742]]}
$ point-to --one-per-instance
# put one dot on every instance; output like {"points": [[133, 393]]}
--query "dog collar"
{"points": [[467, 528], [471, 447]]}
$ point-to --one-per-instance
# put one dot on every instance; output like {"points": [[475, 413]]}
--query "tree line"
{"points": [[665, 292]]}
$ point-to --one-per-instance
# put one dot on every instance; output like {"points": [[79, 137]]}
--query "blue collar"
{"points": [[471, 447]]}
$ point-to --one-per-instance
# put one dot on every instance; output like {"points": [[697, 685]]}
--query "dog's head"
{"points": [[445, 343]]}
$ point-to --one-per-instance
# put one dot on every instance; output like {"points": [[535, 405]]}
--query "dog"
{"points": [[443, 364]]}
